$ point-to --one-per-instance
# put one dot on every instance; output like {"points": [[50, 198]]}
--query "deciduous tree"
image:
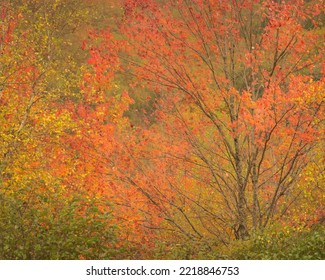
{"points": [[239, 92]]}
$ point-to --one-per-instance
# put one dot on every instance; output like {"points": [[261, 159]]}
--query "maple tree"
{"points": [[239, 90]]}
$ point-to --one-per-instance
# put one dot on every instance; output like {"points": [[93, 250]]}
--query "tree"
{"points": [[41, 214], [238, 88]]}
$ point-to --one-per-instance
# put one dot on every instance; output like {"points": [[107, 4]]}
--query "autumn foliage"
{"points": [[177, 122]]}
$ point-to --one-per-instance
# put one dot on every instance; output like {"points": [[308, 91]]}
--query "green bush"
{"points": [[307, 245], [186, 249], [280, 244], [56, 228]]}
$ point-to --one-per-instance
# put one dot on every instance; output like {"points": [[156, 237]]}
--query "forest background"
{"points": [[148, 129]]}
